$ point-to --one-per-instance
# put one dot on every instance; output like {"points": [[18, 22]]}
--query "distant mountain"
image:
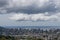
{"points": [[34, 27], [2, 27]]}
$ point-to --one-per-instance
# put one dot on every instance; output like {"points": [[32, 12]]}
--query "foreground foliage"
{"points": [[6, 37]]}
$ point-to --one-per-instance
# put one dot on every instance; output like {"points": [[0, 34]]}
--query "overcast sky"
{"points": [[30, 12]]}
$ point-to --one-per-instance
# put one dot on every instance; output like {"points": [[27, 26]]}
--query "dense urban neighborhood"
{"points": [[29, 34]]}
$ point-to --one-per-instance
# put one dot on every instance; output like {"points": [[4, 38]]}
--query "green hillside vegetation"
{"points": [[6, 37]]}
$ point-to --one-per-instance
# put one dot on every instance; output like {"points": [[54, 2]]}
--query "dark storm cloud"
{"points": [[33, 9], [29, 7], [3, 3]]}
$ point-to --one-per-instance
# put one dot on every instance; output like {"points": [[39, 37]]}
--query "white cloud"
{"points": [[24, 3], [57, 2], [37, 3], [35, 17]]}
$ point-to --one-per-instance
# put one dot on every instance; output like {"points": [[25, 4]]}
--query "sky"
{"points": [[29, 12]]}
